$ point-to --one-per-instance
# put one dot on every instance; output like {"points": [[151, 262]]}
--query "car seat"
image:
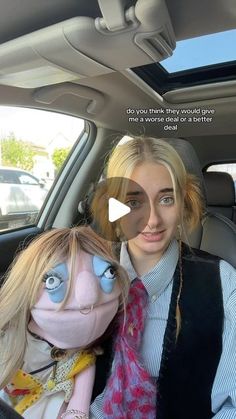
{"points": [[220, 193], [6, 412], [216, 234]]}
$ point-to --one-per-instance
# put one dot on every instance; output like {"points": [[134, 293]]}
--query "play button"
{"points": [[116, 209], [119, 209]]}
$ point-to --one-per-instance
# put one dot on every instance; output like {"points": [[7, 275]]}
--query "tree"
{"points": [[17, 153], [58, 157]]}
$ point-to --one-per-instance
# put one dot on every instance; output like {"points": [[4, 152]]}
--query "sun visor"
{"points": [[86, 47]]}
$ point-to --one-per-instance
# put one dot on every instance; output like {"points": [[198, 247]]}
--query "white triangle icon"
{"points": [[116, 209]]}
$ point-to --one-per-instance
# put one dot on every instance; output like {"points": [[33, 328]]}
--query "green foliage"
{"points": [[17, 153], [58, 157]]}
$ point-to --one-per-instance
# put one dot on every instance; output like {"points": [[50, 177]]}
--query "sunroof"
{"points": [[202, 51]]}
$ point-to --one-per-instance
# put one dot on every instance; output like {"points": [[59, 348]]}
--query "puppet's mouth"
{"points": [[59, 326], [76, 307], [86, 310]]}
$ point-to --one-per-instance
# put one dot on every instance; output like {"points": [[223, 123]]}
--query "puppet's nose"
{"points": [[86, 290]]}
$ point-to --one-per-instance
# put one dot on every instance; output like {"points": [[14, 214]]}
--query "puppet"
{"points": [[58, 299]]}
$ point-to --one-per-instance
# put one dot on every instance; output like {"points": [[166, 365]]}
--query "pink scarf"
{"points": [[130, 392]]}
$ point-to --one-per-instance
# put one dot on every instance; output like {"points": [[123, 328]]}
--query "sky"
{"points": [[201, 51], [39, 127]]}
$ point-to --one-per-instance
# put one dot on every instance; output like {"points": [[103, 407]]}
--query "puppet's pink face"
{"points": [[92, 303]]}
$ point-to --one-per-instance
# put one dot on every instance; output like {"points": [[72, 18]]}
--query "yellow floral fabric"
{"points": [[25, 389]]}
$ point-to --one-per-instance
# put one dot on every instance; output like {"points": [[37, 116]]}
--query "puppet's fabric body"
{"points": [[41, 395]]}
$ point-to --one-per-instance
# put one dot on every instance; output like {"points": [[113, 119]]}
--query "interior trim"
{"points": [[49, 94], [200, 93]]}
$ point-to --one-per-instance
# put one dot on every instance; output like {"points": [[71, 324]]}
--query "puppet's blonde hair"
{"points": [[23, 282]]}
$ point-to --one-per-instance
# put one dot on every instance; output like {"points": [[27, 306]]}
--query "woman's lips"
{"points": [[153, 236]]}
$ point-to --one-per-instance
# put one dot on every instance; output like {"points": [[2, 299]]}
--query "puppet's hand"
{"points": [[78, 406], [74, 414]]}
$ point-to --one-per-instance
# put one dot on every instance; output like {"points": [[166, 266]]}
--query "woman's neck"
{"points": [[143, 263]]}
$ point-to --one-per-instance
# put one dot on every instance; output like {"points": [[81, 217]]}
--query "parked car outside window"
{"points": [[41, 152], [21, 197]]}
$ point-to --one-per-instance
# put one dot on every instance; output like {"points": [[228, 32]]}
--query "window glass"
{"points": [[27, 179], [33, 147], [8, 176], [201, 51]]}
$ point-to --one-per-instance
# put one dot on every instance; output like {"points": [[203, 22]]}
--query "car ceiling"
{"points": [[120, 89], [189, 18]]}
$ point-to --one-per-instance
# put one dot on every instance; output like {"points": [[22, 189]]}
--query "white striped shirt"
{"points": [[224, 387]]}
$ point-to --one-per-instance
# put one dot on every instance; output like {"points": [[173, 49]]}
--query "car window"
{"points": [[8, 176], [27, 179], [33, 147]]}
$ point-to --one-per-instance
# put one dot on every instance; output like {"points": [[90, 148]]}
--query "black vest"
{"points": [[188, 366]]}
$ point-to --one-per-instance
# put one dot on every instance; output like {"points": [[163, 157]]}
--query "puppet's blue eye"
{"points": [[105, 272], [108, 279], [55, 281], [110, 273], [52, 282]]}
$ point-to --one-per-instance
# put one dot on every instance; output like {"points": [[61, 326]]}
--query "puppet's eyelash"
{"points": [[48, 274], [52, 282]]}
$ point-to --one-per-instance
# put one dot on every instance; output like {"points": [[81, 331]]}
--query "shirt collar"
{"points": [[159, 277]]}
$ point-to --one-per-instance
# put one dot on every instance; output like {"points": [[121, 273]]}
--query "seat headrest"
{"points": [[219, 189], [189, 158]]}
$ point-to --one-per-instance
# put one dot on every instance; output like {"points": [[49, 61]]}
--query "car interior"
{"points": [[103, 61], [220, 193]]}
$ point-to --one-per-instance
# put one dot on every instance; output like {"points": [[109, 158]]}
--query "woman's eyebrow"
{"points": [[134, 193], [167, 190]]}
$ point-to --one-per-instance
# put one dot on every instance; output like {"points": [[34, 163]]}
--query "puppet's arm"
{"points": [[81, 397]]}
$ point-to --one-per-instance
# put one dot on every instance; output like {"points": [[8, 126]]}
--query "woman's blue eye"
{"points": [[52, 282], [110, 273], [167, 200], [133, 204]]}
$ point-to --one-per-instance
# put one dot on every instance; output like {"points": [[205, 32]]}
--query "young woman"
{"points": [[175, 356]]}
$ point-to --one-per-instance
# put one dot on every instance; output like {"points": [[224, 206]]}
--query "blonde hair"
{"points": [[127, 156], [21, 287]]}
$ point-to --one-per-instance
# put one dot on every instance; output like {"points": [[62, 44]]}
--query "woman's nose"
{"points": [[86, 290], [154, 217]]}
